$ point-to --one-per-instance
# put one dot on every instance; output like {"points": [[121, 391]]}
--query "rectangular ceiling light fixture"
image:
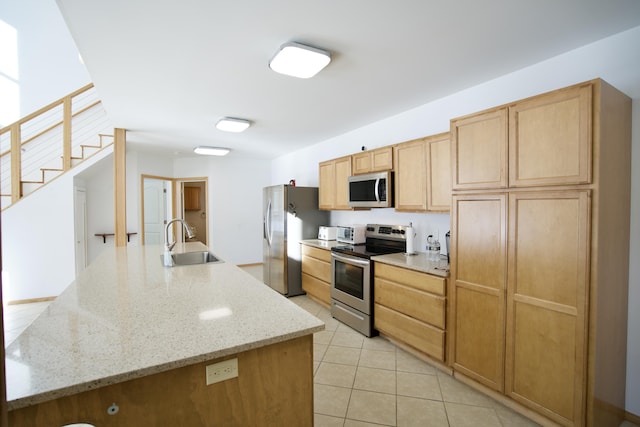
{"points": [[211, 151], [299, 60], [231, 124]]}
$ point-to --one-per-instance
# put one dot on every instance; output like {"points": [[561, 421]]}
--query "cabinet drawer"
{"points": [[316, 268], [422, 337], [411, 278], [317, 288], [414, 303], [321, 254]]}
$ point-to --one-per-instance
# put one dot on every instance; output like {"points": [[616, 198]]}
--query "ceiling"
{"points": [[168, 70]]}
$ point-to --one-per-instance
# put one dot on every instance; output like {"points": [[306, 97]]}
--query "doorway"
{"points": [[166, 198], [194, 208]]}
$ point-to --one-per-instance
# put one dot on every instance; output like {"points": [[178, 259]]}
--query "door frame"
{"points": [[177, 203]]}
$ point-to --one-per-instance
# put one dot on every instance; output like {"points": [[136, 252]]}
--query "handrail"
{"points": [[42, 129], [53, 126], [46, 108]]}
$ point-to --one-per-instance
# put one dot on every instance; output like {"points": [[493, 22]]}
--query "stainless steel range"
{"points": [[352, 274]]}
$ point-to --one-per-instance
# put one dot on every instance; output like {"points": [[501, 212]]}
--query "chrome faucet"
{"points": [[169, 246]]}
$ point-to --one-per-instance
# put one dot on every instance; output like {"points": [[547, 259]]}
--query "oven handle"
{"points": [[350, 260]]}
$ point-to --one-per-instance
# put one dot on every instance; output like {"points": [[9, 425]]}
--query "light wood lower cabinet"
{"points": [[546, 301], [316, 273], [479, 287], [410, 306]]}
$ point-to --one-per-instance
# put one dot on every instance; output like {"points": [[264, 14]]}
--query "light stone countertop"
{"points": [[126, 316], [418, 262], [321, 244]]}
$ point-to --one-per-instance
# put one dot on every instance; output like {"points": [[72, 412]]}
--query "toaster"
{"points": [[327, 233]]}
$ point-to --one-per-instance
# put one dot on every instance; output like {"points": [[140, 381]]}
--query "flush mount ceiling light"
{"points": [[299, 60], [211, 151], [231, 124]]}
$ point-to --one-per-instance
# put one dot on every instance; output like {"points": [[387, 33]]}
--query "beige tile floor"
{"points": [[363, 381]]}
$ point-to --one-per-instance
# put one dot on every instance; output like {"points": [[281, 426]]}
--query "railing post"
{"points": [[66, 134], [120, 185], [16, 163]]}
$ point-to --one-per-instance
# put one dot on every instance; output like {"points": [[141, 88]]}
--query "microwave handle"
{"points": [[377, 191]]}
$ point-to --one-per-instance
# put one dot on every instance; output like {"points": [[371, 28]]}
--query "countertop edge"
{"points": [[420, 263]]}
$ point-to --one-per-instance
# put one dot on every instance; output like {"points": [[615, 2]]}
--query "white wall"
{"points": [[48, 63], [235, 203], [615, 59]]}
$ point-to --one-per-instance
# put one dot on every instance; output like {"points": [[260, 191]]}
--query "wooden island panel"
{"points": [[274, 388]]}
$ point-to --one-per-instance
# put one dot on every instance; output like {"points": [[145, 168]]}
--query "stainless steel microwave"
{"points": [[372, 190]]}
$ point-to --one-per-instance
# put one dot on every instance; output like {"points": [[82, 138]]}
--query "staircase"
{"points": [[47, 143]]}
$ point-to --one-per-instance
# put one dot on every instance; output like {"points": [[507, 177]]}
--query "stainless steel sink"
{"points": [[192, 258]]}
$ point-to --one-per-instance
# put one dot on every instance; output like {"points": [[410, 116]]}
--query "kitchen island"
{"points": [[128, 343]]}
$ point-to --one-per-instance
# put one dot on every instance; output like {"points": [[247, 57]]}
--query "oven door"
{"points": [[351, 281]]}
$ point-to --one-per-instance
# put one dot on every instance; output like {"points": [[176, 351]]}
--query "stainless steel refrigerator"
{"points": [[289, 214]]}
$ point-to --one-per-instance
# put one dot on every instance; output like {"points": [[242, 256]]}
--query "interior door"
{"points": [[155, 202]]}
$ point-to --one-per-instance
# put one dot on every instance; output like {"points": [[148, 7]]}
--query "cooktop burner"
{"points": [[380, 240]]}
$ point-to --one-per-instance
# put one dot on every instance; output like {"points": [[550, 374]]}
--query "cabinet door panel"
{"points": [[546, 301], [479, 150], [550, 139], [327, 187], [411, 176], [316, 288], [382, 159], [479, 348], [316, 268], [343, 171], [480, 240], [478, 268], [549, 232], [417, 304], [544, 360], [361, 162], [411, 278], [423, 337], [439, 173]]}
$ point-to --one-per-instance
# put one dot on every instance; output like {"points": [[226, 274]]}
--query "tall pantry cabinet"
{"points": [[540, 251]]}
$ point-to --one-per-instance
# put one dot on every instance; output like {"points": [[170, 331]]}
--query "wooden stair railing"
{"points": [[51, 135]]}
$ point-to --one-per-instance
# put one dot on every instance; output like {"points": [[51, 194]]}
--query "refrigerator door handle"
{"points": [[267, 223]]}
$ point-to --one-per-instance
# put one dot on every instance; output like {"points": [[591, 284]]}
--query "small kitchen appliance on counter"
{"points": [[327, 233], [352, 234]]}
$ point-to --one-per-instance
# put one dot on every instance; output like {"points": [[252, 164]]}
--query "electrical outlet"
{"points": [[222, 371]]}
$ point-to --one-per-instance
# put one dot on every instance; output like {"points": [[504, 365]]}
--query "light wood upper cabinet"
{"points": [[540, 141], [550, 138], [333, 192], [479, 150], [423, 174], [439, 173], [411, 175], [378, 160], [192, 198]]}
